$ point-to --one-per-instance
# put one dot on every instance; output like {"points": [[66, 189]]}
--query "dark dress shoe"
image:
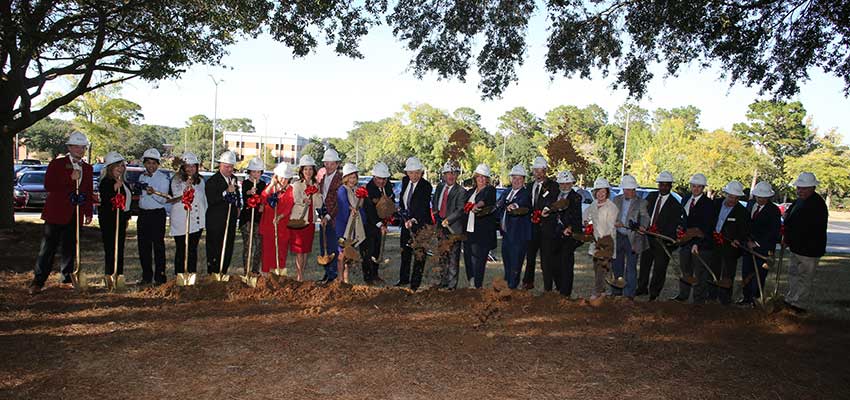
{"points": [[795, 309], [678, 299], [400, 284], [527, 285], [641, 292], [653, 298]]}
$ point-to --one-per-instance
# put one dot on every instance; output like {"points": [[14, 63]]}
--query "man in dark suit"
{"points": [[217, 187], [805, 235], [539, 188], [378, 187], [415, 204], [65, 176], [765, 225], [557, 227], [447, 206], [698, 215], [515, 225], [731, 230], [665, 214]]}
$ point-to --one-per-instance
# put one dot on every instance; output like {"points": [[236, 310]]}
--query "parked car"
{"points": [[30, 161], [28, 168], [29, 191]]}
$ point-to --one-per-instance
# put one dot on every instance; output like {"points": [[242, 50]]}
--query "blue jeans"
{"points": [[513, 254], [628, 259]]}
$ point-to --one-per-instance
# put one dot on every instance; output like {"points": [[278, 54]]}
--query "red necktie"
{"points": [[443, 202], [693, 201], [756, 214]]}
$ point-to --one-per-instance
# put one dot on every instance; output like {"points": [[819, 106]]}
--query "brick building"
{"points": [[283, 148]]}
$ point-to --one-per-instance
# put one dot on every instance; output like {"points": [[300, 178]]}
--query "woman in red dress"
{"points": [[278, 203], [307, 197]]}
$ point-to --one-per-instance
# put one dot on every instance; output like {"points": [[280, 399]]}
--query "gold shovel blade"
{"points": [[217, 277], [186, 279], [80, 280], [251, 281], [618, 283], [279, 271], [326, 259], [114, 282]]}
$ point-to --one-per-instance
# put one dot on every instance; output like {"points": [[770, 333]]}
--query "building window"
{"points": [[293, 147], [258, 145]]}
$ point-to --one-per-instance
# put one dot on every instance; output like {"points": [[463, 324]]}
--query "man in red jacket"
{"points": [[64, 175]]}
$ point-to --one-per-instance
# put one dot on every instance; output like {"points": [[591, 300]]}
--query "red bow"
{"points": [[718, 238], [468, 207], [119, 201], [782, 231], [254, 201], [653, 228], [680, 234], [361, 193], [311, 190], [588, 230], [535, 216], [188, 198]]}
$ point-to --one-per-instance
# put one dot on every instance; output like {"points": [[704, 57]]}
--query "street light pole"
{"points": [[215, 120], [626, 140]]}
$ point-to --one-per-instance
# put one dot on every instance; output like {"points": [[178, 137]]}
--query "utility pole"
{"points": [[215, 120], [626, 139]]}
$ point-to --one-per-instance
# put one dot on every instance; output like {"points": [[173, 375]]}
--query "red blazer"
{"points": [[59, 186], [331, 200], [285, 201]]}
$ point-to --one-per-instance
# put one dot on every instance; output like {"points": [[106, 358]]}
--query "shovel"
{"points": [[277, 269], [705, 265], [185, 278], [79, 280], [248, 278], [221, 276], [115, 281], [380, 260], [324, 258], [779, 269]]}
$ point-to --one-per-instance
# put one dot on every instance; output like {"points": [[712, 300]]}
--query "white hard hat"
{"points": [[256, 164], [698, 179], [664, 176], [228, 157], [413, 164], [380, 170], [806, 179], [539, 162], [349, 168], [152, 154], [112, 157], [284, 170], [565, 177], [331, 155], [77, 138], [518, 170], [306, 161], [734, 188], [628, 182], [601, 183], [763, 189], [449, 166], [483, 170], [190, 158]]}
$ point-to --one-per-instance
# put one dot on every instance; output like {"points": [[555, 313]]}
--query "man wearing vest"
{"points": [[539, 188], [665, 214], [329, 182], [151, 221], [805, 235], [65, 177], [698, 214], [447, 206]]}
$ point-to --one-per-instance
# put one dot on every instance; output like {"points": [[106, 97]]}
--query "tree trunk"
{"points": [[829, 199], [7, 173]]}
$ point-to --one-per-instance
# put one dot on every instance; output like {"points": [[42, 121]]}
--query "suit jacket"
{"points": [[548, 186], [669, 216], [105, 212], [245, 215], [375, 194], [454, 206], [553, 226], [420, 206], [702, 216], [330, 198], [217, 208], [517, 228], [59, 186], [764, 228], [736, 227], [637, 212], [485, 225], [805, 226]]}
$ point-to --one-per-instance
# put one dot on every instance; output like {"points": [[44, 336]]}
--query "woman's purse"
{"points": [[300, 218]]}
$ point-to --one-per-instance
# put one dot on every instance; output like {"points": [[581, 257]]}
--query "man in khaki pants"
{"points": [[805, 235]]}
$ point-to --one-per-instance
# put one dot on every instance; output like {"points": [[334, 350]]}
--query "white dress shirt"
{"points": [[661, 198], [695, 200], [470, 222], [411, 186]]}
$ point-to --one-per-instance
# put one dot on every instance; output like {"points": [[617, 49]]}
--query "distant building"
{"points": [[282, 148]]}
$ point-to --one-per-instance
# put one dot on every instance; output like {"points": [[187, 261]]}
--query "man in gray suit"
{"points": [[447, 204], [633, 215]]}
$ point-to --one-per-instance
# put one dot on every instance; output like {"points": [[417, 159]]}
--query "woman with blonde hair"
{"points": [[602, 214], [349, 219], [114, 209], [187, 180], [307, 197], [481, 226], [278, 207]]}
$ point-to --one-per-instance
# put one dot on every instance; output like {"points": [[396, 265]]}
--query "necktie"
{"points": [[756, 214], [443, 200], [535, 194], [691, 207], [409, 195], [656, 211]]}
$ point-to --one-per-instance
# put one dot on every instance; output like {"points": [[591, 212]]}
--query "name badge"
{"points": [[731, 219]]}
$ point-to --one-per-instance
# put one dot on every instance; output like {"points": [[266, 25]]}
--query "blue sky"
{"points": [[324, 94]]}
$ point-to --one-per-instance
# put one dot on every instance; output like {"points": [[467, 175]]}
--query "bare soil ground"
{"points": [[287, 339]]}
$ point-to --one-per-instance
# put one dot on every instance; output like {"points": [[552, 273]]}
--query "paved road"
{"points": [[838, 233]]}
